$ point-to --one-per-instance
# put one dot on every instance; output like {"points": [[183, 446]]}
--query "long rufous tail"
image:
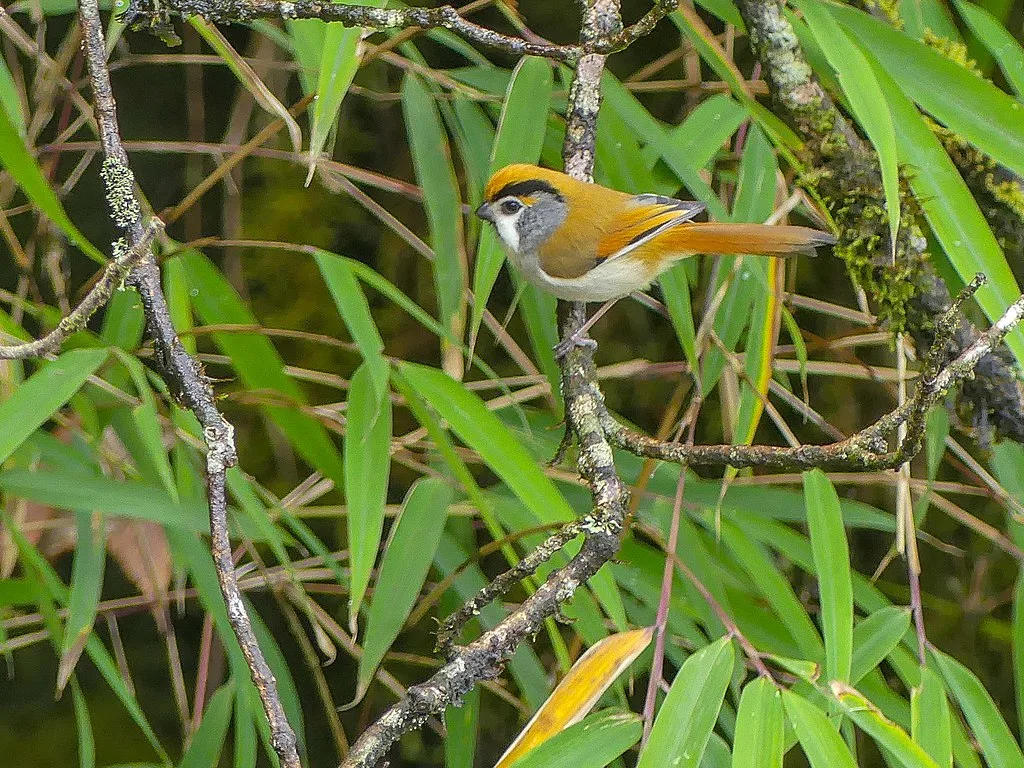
{"points": [[757, 239]]}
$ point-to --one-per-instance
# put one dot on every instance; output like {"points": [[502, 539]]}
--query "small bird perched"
{"points": [[585, 242]]}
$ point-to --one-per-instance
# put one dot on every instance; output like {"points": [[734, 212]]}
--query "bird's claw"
{"points": [[565, 346]]}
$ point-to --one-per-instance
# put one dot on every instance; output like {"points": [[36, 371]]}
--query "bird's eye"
{"points": [[508, 207]]}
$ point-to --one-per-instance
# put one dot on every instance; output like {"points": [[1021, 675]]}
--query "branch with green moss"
{"points": [[909, 296]]}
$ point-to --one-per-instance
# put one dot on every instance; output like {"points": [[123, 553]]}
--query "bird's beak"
{"points": [[485, 213]]}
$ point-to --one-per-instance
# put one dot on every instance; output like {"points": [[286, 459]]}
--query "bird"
{"points": [[582, 241]]}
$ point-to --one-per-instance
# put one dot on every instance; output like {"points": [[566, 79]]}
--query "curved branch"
{"points": [[112, 277]]}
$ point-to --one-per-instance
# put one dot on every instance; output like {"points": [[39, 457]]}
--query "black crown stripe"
{"points": [[525, 189]]}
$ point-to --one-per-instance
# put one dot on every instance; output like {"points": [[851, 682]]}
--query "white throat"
{"points": [[506, 227]]}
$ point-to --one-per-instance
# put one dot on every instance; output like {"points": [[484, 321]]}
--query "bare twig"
{"points": [[183, 374], [112, 277]]}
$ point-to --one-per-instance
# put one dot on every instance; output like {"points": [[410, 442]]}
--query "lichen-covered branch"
{"points": [[483, 658], [869, 448], [183, 373], [844, 171], [113, 276], [155, 13]]}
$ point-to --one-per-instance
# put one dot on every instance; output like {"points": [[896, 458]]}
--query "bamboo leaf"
{"points": [[684, 722], [429, 146], [832, 564], [38, 397], [257, 362], [931, 726], [207, 743], [864, 93], [884, 732], [520, 136], [403, 569], [367, 468], [86, 586], [593, 743], [875, 637], [355, 311], [989, 728], [340, 54], [964, 102], [577, 693], [17, 160], [760, 731], [818, 737]]}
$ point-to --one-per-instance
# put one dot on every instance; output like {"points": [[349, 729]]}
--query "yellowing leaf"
{"points": [[580, 690]]}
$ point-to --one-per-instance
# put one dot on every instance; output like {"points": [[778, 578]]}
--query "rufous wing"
{"points": [[642, 221]]}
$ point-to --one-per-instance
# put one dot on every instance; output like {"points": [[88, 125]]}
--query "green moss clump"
{"points": [[952, 50]]}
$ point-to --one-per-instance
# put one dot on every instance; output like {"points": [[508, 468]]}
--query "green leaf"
{"points": [[760, 732], [83, 726], [436, 176], [208, 742], [403, 569], [688, 714], [832, 564], [339, 60], [463, 727], [355, 311], [367, 468], [989, 728], [818, 737], [1000, 43], [951, 210], [864, 93], [69, 489], [18, 161], [37, 398], [10, 100], [520, 135], [702, 134], [875, 637], [774, 588], [86, 586], [258, 364], [594, 742], [123, 320], [885, 733], [931, 726], [964, 102]]}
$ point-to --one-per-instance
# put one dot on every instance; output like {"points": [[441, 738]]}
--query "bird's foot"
{"points": [[568, 344]]}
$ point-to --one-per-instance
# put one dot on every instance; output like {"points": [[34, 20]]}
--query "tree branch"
{"points": [[869, 448], [847, 177], [183, 373], [112, 277], [483, 658]]}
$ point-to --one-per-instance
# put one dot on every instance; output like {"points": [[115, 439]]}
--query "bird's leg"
{"points": [[577, 339]]}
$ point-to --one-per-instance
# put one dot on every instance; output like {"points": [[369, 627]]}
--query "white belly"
{"points": [[609, 280]]}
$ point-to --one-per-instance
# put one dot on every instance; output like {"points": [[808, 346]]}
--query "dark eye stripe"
{"points": [[525, 189]]}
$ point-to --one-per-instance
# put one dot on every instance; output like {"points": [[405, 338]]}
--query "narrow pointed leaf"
{"points": [[578, 692], [883, 731], [875, 637], [760, 731], [818, 737], [520, 135], [931, 726], [367, 468], [403, 569], [593, 743], [38, 397], [689, 712], [832, 564]]}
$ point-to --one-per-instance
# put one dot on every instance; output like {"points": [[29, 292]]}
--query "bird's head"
{"points": [[526, 204]]}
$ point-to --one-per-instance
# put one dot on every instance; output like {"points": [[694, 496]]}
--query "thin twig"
{"points": [[113, 276]]}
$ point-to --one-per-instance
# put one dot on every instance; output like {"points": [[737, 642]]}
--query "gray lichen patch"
{"points": [[119, 182]]}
